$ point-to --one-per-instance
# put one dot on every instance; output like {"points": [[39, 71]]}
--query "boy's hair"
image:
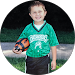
{"points": [[36, 3]]}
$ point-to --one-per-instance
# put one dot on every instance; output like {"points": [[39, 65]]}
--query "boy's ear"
{"points": [[29, 14], [45, 13]]}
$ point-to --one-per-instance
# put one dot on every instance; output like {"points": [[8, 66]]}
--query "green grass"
{"points": [[19, 63], [11, 35], [65, 37]]}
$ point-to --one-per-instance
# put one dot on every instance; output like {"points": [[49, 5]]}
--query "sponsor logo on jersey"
{"points": [[38, 39]]}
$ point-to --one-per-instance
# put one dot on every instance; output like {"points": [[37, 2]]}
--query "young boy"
{"points": [[40, 35]]}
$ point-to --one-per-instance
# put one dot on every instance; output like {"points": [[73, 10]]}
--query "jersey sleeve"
{"points": [[52, 37], [23, 34]]}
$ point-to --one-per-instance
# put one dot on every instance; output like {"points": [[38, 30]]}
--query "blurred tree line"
{"points": [[19, 17]]}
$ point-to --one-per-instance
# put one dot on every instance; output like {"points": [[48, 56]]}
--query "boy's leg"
{"points": [[43, 66], [37, 65], [30, 65], [25, 62]]}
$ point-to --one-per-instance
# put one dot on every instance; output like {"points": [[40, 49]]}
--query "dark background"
{"points": [[19, 17]]}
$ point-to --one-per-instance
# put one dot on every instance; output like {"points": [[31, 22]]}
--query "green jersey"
{"points": [[40, 40]]}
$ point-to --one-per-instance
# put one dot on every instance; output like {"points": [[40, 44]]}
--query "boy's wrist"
{"points": [[54, 60]]}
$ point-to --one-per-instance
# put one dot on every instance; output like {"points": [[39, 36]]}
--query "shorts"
{"points": [[38, 65]]}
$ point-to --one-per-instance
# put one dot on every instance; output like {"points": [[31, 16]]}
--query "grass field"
{"points": [[19, 63], [11, 35]]}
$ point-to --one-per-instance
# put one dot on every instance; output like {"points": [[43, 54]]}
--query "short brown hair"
{"points": [[35, 3]]}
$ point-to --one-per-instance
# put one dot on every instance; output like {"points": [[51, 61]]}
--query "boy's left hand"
{"points": [[53, 65]]}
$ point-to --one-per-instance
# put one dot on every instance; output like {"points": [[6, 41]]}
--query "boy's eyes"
{"points": [[34, 12], [38, 12]]}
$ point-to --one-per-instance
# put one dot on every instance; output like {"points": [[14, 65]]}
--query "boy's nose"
{"points": [[37, 13]]}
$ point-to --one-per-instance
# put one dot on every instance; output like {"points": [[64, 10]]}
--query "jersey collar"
{"points": [[40, 28]]}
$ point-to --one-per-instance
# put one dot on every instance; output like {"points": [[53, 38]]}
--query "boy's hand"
{"points": [[16, 51], [54, 52], [53, 65]]}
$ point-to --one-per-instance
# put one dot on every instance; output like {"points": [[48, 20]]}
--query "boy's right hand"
{"points": [[16, 51]]}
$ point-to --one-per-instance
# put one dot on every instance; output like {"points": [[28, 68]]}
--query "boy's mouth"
{"points": [[37, 18]]}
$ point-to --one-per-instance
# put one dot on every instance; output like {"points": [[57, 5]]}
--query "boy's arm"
{"points": [[23, 35], [54, 52]]}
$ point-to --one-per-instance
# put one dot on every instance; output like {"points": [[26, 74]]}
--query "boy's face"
{"points": [[37, 13]]}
